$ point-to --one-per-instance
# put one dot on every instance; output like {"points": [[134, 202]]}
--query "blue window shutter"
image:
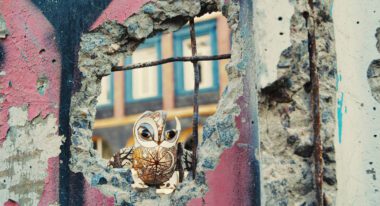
{"points": [[201, 29], [151, 42]]}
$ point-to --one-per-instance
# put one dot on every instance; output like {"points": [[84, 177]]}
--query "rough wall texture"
{"points": [[25, 155], [29, 103], [285, 115]]}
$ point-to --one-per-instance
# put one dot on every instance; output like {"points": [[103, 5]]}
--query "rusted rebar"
{"points": [[315, 107], [169, 60], [179, 161], [195, 96]]}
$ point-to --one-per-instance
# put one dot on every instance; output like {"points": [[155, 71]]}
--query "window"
{"points": [[102, 147], [145, 83], [105, 98], [206, 45]]}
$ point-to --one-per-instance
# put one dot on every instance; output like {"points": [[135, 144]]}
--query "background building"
{"points": [[126, 95]]}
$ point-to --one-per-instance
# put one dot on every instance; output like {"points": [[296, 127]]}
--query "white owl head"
{"points": [[150, 130]]}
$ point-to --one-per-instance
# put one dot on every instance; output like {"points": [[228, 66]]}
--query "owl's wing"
{"points": [[121, 159]]}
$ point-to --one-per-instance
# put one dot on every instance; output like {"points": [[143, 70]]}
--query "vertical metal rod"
{"points": [[179, 161], [195, 97], [314, 77]]}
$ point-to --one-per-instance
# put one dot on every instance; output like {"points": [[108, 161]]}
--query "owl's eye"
{"points": [[170, 134], [144, 133]]}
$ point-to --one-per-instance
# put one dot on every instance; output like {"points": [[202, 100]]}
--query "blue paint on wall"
{"points": [[340, 117], [337, 80]]}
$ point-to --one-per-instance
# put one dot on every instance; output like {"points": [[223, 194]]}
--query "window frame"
{"points": [[128, 85], [202, 28], [110, 95]]}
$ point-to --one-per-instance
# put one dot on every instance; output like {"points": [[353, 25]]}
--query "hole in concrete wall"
{"points": [[101, 50], [126, 95], [41, 51]]}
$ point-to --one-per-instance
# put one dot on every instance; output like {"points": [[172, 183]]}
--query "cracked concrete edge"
{"points": [[24, 156], [373, 73], [101, 49], [287, 147]]}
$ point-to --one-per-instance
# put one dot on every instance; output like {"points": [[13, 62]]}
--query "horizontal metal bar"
{"points": [[169, 60]]}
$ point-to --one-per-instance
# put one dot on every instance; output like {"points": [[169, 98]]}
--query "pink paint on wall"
{"points": [[230, 182], [50, 193], [93, 197], [11, 203], [119, 10], [32, 69], [29, 52]]}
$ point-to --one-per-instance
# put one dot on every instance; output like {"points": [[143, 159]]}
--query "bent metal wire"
{"points": [[194, 59]]}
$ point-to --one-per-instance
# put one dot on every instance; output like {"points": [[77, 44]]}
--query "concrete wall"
{"points": [[55, 51], [358, 147]]}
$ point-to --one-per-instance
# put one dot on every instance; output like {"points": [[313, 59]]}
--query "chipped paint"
{"points": [[24, 112], [3, 28], [24, 156], [23, 64], [42, 84]]}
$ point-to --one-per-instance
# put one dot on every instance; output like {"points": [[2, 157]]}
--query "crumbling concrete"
{"points": [[285, 115], [373, 73], [24, 156], [101, 49]]}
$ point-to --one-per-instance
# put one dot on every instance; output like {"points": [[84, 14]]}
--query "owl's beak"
{"points": [[159, 141]]}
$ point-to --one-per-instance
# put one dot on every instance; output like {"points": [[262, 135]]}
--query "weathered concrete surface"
{"points": [[24, 156], [285, 113], [358, 113], [100, 50], [271, 40], [28, 109]]}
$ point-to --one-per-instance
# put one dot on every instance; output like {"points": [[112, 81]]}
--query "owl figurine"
{"points": [[155, 159]]}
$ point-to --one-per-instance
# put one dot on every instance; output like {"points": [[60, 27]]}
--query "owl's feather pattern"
{"points": [[124, 158], [154, 165]]}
